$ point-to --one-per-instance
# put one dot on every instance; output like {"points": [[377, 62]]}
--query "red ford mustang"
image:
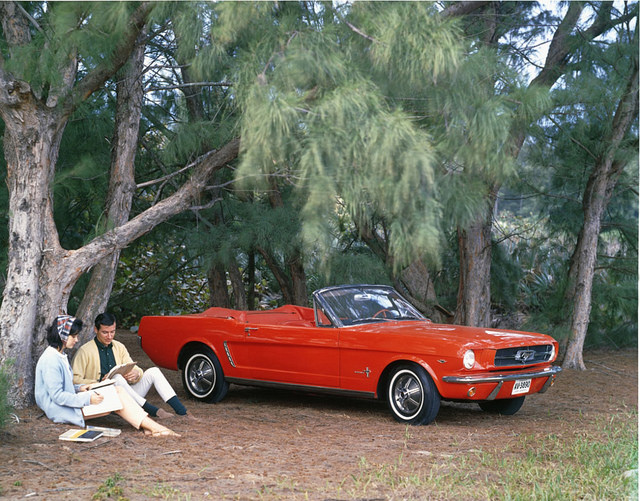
{"points": [[357, 340]]}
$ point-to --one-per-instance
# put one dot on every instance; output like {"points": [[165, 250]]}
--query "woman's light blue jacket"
{"points": [[55, 392]]}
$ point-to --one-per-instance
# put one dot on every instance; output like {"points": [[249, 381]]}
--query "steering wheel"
{"points": [[380, 312]]}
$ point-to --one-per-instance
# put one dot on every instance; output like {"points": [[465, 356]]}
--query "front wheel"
{"points": [[506, 407], [202, 377], [412, 396]]}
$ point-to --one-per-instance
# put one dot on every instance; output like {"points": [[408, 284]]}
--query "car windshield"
{"points": [[365, 304]]}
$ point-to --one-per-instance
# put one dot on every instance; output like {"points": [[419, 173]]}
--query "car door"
{"points": [[293, 354], [364, 352]]}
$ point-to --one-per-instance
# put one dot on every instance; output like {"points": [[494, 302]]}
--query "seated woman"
{"points": [[62, 401]]}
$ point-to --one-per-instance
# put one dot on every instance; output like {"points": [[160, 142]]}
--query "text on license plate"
{"points": [[521, 386]]}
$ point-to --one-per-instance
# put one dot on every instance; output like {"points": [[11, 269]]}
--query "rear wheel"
{"points": [[506, 407], [412, 396], [202, 376]]}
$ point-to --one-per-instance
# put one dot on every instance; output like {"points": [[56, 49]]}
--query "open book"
{"points": [[120, 369], [110, 403], [80, 435]]}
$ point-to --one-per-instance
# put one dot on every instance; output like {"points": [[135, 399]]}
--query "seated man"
{"points": [[96, 358]]}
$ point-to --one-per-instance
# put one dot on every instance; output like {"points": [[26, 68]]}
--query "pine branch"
{"points": [[96, 78], [359, 32]]}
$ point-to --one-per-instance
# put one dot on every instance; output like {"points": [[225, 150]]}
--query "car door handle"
{"points": [[249, 329]]}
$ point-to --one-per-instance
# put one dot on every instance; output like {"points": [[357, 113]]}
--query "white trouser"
{"points": [[151, 377]]}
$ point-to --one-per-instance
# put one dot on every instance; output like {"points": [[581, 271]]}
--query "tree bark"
{"points": [[122, 185], [414, 281], [251, 280], [217, 279], [279, 275], [474, 290], [595, 200], [295, 282], [237, 285], [416, 285]]}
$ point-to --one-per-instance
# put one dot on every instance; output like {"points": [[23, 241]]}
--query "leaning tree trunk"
{"points": [[122, 184], [594, 202]]}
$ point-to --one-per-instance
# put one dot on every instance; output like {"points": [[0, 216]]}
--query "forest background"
{"points": [[162, 157]]}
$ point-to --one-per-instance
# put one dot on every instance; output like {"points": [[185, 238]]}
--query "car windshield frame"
{"points": [[348, 305]]}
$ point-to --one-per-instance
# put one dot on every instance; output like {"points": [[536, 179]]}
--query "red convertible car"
{"points": [[357, 340]]}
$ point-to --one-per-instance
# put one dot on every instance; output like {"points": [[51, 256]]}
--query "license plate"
{"points": [[521, 386]]}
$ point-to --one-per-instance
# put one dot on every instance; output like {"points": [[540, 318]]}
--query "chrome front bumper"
{"points": [[548, 372]]}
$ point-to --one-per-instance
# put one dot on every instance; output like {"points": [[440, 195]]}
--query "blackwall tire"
{"points": [[202, 376], [412, 396]]}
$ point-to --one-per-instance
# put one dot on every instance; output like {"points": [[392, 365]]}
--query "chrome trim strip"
{"points": [[226, 349], [300, 387], [548, 371]]}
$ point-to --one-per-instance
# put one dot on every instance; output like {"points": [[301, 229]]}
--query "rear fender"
{"points": [[193, 347]]}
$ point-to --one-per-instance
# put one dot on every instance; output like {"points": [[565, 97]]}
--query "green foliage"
{"points": [[6, 380], [311, 117], [111, 489], [411, 41], [164, 278], [382, 127]]}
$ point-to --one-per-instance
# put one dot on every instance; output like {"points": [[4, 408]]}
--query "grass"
{"points": [[111, 489], [534, 467], [6, 380], [593, 465], [163, 490]]}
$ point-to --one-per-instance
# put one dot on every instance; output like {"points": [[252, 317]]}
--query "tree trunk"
{"points": [[474, 290], [122, 186], [298, 278], [596, 197], [251, 280], [217, 279], [416, 285], [239, 295], [32, 137], [296, 281], [414, 282], [279, 275]]}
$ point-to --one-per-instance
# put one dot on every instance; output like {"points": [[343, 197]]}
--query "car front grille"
{"points": [[523, 355]]}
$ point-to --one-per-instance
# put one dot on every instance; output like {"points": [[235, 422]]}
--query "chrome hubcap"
{"points": [[407, 394], [201, 376]]}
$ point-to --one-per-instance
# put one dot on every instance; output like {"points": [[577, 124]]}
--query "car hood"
{"points": [[476, 337]]}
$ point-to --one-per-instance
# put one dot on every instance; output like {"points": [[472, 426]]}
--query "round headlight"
{"points": [[469, 359]]}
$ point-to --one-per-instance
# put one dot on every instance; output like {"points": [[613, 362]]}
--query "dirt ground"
{"points": [[268, 444]]}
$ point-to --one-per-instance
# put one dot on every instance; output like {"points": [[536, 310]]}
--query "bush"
{"points": [[5, 384]]}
